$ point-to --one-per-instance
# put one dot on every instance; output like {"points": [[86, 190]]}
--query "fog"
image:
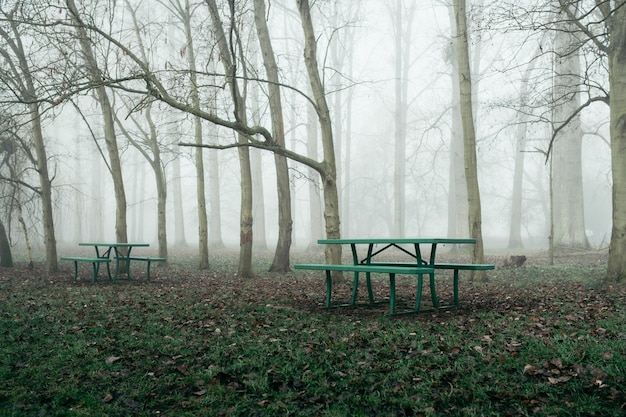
{"points": [[83, 191]]}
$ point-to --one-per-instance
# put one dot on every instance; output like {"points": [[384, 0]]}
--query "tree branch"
{"points": [[570, 118]]}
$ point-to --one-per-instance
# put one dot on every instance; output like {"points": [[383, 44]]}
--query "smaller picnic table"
{"points": [[121, 253]]}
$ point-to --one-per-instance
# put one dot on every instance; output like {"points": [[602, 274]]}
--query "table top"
{"points": [[397, 241], [113, 244]]}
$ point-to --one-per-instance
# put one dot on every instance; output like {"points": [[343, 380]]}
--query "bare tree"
{"points": [[568, 207], [457, 188], [600, 27], [281, 256], [21, 81], [469, 137], [97, 78], [6, 258], [402, 16], [183, 12], [227, 47]]}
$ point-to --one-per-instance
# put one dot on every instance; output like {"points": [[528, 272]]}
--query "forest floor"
{"points": [[537, 340]]}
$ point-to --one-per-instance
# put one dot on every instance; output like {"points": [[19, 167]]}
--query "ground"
{"points": [[535, 340]]}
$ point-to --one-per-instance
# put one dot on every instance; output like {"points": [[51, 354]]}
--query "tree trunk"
{"points": [[315, 203], [215, 218], [29, 95], [203, 226], [281, 256], [616, 271], [109, 126], [329, 171], [469, 138], [569, 216], [161, 185], [245, 216], [402, 25], [6, 258], [180, 241], [457, 188], [259, 229], [515, 227]]}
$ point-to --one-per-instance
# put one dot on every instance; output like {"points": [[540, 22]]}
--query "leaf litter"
{"points": [[534, 338]]}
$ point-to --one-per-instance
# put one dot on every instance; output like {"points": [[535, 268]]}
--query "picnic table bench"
{"points": [[147, 259], [95, 261]]}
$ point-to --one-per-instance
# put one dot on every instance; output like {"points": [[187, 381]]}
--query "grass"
{"points": [[533, 341]]}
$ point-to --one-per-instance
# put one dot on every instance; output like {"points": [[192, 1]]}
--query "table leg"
{"points": [[128, 264], [392, 293], [329, 285], [418, 297], [96, 267], [456, 287], [433, 289], [355, 288], [355, 282], [368, 278], [75, 270]]}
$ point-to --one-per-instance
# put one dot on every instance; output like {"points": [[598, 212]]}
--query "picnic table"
{"points": [[364, 261], [106, 252]]}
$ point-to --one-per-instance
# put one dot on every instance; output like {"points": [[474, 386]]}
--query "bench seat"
{"points": [[94, 261], [147, 259], [392, 270]]}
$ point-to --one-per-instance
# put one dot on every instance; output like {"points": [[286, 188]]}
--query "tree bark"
{"points": [[568, 209], [180, 240], [109, 125], [280, 262], [328, 170], [6, 258], [245, 216], [616, 271], [154, 160], [457, 188], [26, 89], [515, 227], [314, 188], [403, 20], [203, 226], [215, 218], [469, 138]]}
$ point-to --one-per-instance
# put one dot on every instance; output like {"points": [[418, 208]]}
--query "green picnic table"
{"points": [[409, 246], [107, 252]]}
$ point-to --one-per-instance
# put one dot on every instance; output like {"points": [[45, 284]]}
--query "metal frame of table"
{"points": [[118, 253], [395, 243]]}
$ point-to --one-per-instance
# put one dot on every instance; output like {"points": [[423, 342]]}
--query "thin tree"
{"points": [[6, 258], [280, 262], [183, 13], [566, 158], [96, 77], [227, 47], [469, 137], [22, 83]]}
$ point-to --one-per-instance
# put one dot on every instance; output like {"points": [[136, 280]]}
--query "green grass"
{"points": [[533, 341]]}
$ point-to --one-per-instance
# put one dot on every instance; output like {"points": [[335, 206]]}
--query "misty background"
{"points": [[357, 46]]}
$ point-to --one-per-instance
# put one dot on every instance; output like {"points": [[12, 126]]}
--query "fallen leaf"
{"points": [[112, 359], [530, 369]]}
